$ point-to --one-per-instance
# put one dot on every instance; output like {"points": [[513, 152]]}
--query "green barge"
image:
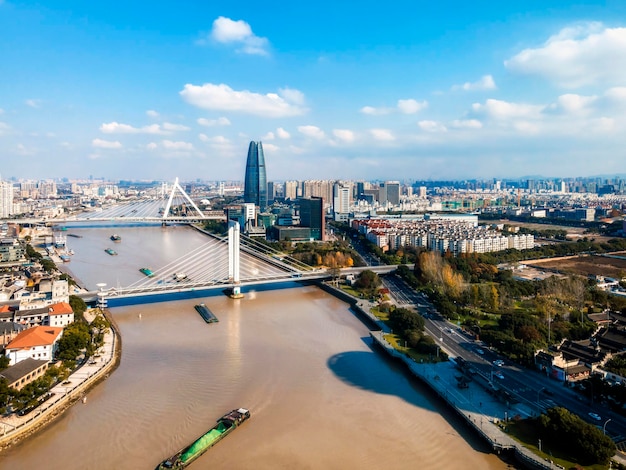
{"points": [[225, 425]]}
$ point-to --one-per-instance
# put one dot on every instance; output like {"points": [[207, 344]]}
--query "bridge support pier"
{"points": [[233, 259]]}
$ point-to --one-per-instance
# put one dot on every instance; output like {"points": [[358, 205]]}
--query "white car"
{"points": [[595, 416], [498, 363], [499, 375]]}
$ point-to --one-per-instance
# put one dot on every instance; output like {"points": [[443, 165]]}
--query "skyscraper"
{"points": [[255, 183]]}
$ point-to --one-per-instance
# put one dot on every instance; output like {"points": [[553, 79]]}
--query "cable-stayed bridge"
{"points": [[230, 262]]}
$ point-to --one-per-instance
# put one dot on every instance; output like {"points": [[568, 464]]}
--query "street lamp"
{"points": [[604, 426]]}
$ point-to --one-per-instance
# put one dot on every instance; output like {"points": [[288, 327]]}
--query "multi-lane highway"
{"points": [[533, 390]]}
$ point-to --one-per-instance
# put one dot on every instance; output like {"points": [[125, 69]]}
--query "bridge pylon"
{"points": [[233, 259]]}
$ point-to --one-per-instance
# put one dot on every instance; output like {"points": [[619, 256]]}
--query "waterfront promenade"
{"points": [[65, 394]]}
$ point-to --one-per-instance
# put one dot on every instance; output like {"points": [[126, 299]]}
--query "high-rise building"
{"points": [[312, 216], [341, 202], [393, 192], [291, 190], [6, 199], [255, 183]]}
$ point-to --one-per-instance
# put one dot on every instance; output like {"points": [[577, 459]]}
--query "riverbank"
{"points": [[486, 415], [66, 394]]}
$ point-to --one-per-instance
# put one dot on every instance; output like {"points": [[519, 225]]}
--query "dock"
{"points": [[206, 314]]}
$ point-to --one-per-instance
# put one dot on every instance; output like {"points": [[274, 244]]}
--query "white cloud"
{"points": [[375, 111], [617, 93], [223, 98], [382, 134], [119, 128], [431, 126], [4, 128], [466, 124], [572, 103], [270, 148], [221, 121], [203, 137], [152, 113], [33, 103], [269, 136], [292, 95], [312, 131], [106, 144], [486, 82], [502, 110], [152, 146], [227, 31], [180, 145], [585, 54], [282, 133], [168, 126], [344, 134], [411, 106]]}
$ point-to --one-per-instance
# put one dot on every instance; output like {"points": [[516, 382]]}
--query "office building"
{"points": [[255, 183], [312, 216]]}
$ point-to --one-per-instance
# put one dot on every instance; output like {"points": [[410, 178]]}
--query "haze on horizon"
{"points": [[407, 90]]}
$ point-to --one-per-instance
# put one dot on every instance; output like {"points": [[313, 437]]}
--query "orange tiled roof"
{"points": [[60, 308], [36, 336], [5, 309]]}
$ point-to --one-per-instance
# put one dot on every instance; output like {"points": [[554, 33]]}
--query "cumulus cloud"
{"points": [[238, 33], [486, 82], [106, 144], [466, 124], [411, 106], [221, 121], [382, 134], [577, 56], [344, 135], [503, 110], [432, 126], [223, 98], [312, 131], [152, 146], [269, 136], [282, 134], [4, 128], [152, 113], [575, 104]]}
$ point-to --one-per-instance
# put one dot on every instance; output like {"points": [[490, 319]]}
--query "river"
{"points": [[298, 358]]}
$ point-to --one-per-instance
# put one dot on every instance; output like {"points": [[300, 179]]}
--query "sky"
{"points": [[369, 90]]}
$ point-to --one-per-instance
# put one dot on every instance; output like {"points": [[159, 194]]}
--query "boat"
{"points": [[205, 313], [65, 258], [116, 238], [111, 251], [180, 276], [74, 235], [225, 425], [147, 271]]}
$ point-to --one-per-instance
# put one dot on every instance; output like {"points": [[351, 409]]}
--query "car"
{"points": [[480, 351], [498, 363], [499, 375], [595, 416]]}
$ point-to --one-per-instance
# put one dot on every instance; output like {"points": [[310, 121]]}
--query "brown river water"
{"points": [[298, 358]]}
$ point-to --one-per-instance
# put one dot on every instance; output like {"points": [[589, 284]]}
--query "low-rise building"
{"points": [[39, 342], [24, 372]]}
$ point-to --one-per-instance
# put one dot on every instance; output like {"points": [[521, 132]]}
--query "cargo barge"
{"points": [[205, 313], [225, 425], [147, 271]]}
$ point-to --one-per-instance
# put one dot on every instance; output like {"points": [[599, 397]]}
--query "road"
{"points": [[525, 386]]}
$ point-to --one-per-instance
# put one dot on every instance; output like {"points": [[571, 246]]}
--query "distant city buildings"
{"points": [[6, 199]]}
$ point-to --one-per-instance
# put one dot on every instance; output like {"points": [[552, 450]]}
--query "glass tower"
{"points": [[255, 183]]}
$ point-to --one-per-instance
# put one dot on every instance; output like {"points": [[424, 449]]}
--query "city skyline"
{"points": [[412, 92]]}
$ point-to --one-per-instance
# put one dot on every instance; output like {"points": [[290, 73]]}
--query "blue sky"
{"points": [[403, 90]]}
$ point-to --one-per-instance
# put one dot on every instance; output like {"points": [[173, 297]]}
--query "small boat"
{"points": [[147, 271], [111, 251], [116, 238], [74, 235], [180, 277], [71, 252], [205, 313], [225, 425], [65, 258]]}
